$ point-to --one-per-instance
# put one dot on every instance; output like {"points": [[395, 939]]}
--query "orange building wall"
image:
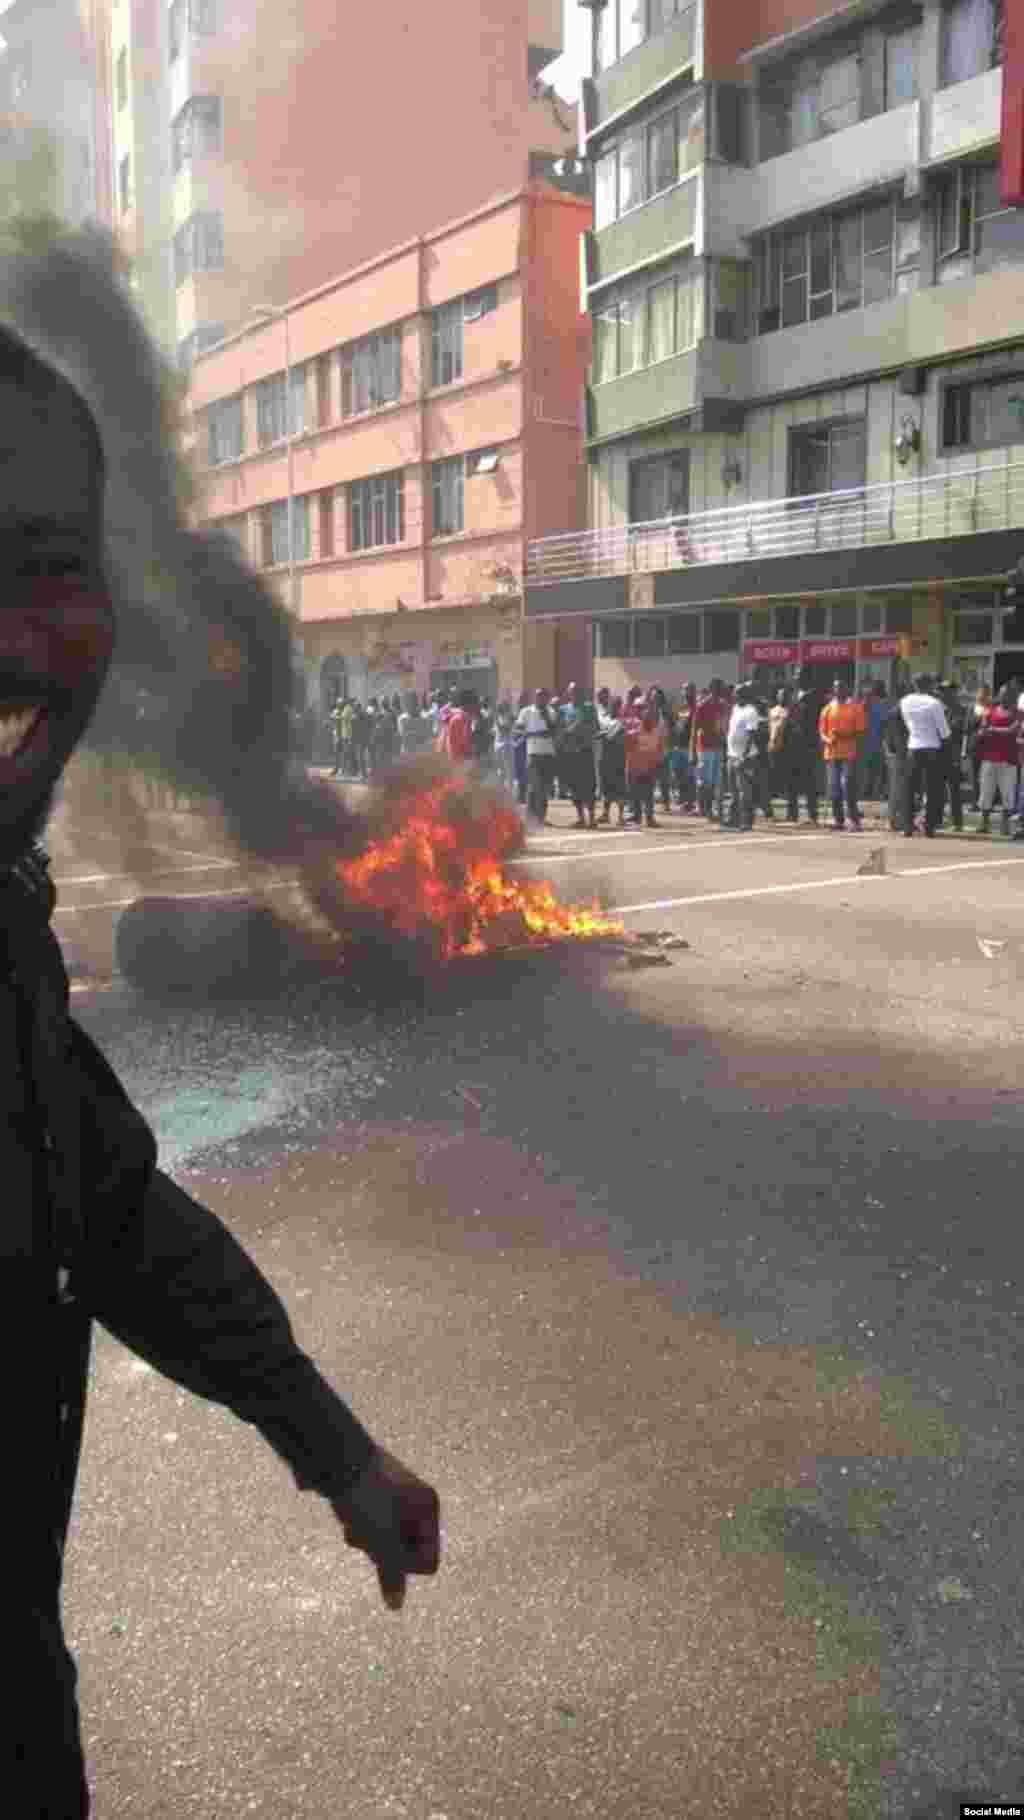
{"points": [[739, 25], [433, 116]]}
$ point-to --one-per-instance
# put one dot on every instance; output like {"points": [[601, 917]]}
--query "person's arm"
{"points": [[175, 1286]]}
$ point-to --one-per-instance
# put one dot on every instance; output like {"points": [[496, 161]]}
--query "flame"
{"points": [[441, 867]]}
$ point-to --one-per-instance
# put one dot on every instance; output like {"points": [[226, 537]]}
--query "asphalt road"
{"points": [[693, 1289]]}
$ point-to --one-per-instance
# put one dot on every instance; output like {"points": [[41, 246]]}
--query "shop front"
{"points": [[774, 663]]}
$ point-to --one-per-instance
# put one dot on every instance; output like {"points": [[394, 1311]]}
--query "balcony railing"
{"points": [[900, 511]]}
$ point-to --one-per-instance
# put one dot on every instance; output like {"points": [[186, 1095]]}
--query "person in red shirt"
{"points": [[707, 743], [996, 751], [458, 729]]}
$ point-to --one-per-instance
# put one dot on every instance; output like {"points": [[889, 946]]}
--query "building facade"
{"points": [[253, 159], [420, 415], [51, 154], [805, 412]]}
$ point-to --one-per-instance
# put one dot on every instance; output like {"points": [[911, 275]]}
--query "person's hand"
{"points": [[395, 1518]]}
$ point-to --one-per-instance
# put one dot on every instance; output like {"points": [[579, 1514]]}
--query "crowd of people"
{"points": [[727, 753]]}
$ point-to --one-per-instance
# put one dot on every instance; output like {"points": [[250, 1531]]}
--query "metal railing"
{"points": [[900, 511]]}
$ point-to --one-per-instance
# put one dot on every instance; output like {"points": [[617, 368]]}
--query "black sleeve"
{"points": [[180, 1291]]}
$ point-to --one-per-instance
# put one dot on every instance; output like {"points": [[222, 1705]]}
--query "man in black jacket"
{"points": [[801, 750], [90, 1228]]}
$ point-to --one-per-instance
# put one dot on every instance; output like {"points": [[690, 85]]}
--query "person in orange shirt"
{"points": [[645, 750], [842, 726]]}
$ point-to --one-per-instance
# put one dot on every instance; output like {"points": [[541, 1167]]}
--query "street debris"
{"points": [[874, 865], [951, 1591], [989, 948], [648, 957]]}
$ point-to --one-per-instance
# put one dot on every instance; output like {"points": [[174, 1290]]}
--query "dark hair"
{"points": [[923, 684]]}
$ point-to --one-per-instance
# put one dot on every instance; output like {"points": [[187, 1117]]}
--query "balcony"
{"points": [[938, 507], [642, 71]]}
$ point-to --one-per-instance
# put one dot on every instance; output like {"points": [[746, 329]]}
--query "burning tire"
{"points": [[220, 947]]}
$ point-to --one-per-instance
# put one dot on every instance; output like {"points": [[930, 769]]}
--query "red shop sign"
{"points": [[829, 650], [880, 647], [770, 651]]}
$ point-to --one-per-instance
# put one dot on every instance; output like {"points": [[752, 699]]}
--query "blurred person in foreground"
{"points": [[92, 1229]]}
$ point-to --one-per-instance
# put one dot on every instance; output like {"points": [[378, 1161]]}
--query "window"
{"points": [[446, 344], [871, 616], [899, 616], [722, 631], [787, 622], [814, 622], [447, 479], [901, 55], [683, 634], [197, 18], [843, 619], [238, 530], [836, 263], [650, 637], [224, 427], [206, 335], [616, 637], [759, 622], [986, 413], [828, 458], [975, 233], [485, 461], [274, 524], [730, 119], [809, 99], [623, 24], [122, 79], [371, 372], [376, 511], [659, 487], [480, 303], [198, 246], [325, 523], [648, 160], [124, 184], [196, 131], [973, 628], [972, 38], [324, 409], [271, 411], [638, 326]]}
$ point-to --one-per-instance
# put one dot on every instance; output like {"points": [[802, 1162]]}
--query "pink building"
{"points": [[433, 397]]}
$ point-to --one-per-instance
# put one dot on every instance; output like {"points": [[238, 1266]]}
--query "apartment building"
{"points": [[805, 411], [139, 131], [259, 153], [50, 152], [415, 421]]}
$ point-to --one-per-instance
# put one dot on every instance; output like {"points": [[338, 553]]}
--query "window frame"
{"points": [[368, 366], [687, 277], [376, 500], [453, 467], [215, 416], [677, 116], [271, 388], [447, 323], [996, 50], [827, 427], [771, 277], [972, 382]]}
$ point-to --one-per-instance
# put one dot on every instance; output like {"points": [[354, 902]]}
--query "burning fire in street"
{"points": [[441, 868]]}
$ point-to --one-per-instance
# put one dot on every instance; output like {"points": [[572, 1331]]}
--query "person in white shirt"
{"points": [[927, 731], [539, 724], [741, 757]]}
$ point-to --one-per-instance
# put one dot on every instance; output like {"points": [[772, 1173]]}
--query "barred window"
{"points": [[446, 344], [275, 530], [447, 490], [270, 411], [224, 425], [371, 372], [376, 509]]}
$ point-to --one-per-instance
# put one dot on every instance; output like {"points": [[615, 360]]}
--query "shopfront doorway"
{"points": [[1008, 667]]}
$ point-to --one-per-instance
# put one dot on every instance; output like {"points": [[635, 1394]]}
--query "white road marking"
{"points": [[699, 846], [178, 897], [817, 884], [108, 878]]}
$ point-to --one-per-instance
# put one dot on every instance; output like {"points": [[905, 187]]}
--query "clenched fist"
{"points": [[395, 1518]]}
